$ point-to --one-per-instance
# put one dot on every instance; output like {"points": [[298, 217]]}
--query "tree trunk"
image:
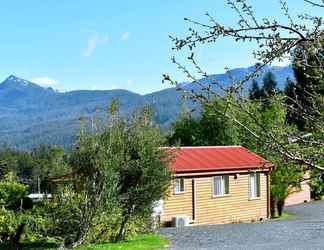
{"points": [[121, 234], [17, 235], [272, 206], [82, 237], [79, 241], [280, 206]]}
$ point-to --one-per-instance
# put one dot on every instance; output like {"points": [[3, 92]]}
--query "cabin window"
{"points": [[179, 186], [221, 185], [254, 185]]}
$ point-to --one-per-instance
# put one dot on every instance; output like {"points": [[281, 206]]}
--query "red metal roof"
{"points": [[211, 158]]}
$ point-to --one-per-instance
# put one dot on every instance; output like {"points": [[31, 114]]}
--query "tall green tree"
{"points": [[144, 174], [255, 91], [216, 128], [186, 132], [18, 162], [48, 161], [269, 85], [211, 128], [36, 167], [272, 116], [12, 217], [305, 96], [119, 172], [274, 40], [290, 92], [285, 178]]}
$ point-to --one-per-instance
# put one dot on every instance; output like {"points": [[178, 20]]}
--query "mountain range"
{"points": [[31, 115]]}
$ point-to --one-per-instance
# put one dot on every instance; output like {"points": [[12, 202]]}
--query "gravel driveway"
{"points": [[305, 230]]}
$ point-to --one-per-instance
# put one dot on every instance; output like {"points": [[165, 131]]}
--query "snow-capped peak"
{"points": [[16, 79]]}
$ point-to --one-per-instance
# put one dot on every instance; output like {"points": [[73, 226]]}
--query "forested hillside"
{"points": [[31, 115]]}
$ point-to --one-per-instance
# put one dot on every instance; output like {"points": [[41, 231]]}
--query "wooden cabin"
{"points": [[217, 184]]}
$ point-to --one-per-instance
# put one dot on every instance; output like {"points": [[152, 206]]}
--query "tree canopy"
{"points": [[274, 41]]}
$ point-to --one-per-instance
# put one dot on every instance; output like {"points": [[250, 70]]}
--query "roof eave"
{"points": [[266, 167]]}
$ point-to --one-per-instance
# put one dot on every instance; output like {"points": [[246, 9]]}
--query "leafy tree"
{"points": [[305, 105], [305, 95], [255, 91], [269, 86], [216, 128], [212, 128], [186, 132], [144, 174], [274, 40], [317, 184], [286, 175], [20, 163], [12, 221], [48, 161], [11, 191], [8, 162], [283, 180], [35, 167], [119, 173], [68, 210], [95, 184], [290, 92]]}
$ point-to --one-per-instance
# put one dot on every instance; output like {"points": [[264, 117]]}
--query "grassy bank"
{"points": [[142, 242]]}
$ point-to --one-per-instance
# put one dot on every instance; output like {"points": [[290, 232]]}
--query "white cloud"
{"points": [[125, 36], [91, 46], [93, 42], [44, 81]]}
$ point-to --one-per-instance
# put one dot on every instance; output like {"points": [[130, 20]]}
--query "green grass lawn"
{"points": [[142, 242], [284, 216]]}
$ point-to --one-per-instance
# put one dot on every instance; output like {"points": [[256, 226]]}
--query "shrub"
{"points": [[63, 217], [13, 218]]}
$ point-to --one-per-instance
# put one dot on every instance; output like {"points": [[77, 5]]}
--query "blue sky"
{"points": [[102, 44]]}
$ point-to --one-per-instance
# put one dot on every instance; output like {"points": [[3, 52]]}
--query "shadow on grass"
{"points": [[29, 246]]}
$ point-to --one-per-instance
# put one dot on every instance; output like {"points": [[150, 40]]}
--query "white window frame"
{"points": [[254, 185], [222, 187], [178, 186]]}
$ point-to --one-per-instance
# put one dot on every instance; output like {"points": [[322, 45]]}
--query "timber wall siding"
{"points": [[178, 204], [233, 208]]}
